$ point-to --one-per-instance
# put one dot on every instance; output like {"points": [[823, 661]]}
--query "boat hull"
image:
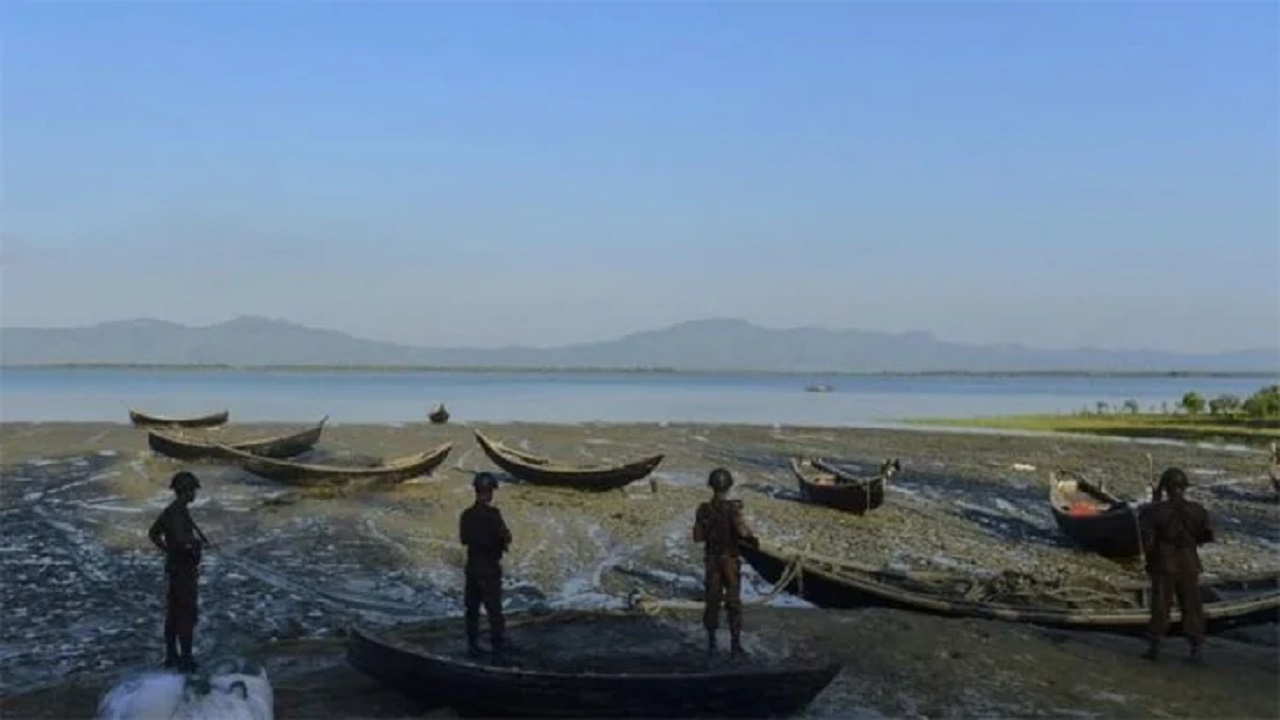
{"points": [[142, 419], [520, 466]]}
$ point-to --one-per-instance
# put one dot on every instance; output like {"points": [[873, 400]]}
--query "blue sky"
{"points": [[1054, 174]]}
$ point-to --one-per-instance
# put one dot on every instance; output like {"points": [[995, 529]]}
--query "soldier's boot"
{"points": [[735, 637], [711, 642], [1153, 651], [170, 646], [1196, 657], [186, 662]]}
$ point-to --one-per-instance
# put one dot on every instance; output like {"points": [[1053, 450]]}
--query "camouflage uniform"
{"points": [[487, 538], [1171, 531], [719, 525], [174, 532]]}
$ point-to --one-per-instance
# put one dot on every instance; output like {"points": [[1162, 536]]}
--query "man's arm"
{"points": [[699, 527], [505, 532], [1205, 535], [157, 533], [741, 529], [463, 535]]}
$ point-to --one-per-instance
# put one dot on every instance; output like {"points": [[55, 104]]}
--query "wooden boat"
{"points": [[1094, 518], [818, 388], [837, 584], [541, 471], [583, 664], [294, 473], [280, 446], [142, 419], [833, 486], [439, 416]]}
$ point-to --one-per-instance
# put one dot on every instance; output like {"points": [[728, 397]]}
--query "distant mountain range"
{"points": [[696, 345]]}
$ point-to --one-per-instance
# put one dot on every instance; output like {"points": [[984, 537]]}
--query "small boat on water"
{"points": [[294, 473], [586, 664], [827, 484], [439, 416], [142, 419], [1094, 518], [542, 471], [280, 446], [818, 388], [1229, 602]]}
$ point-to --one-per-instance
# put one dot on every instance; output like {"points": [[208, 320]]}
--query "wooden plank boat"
{"points": [[280, 446], [833, 486], [584, 664], [1095, 519], [837, 584], [142, 419], [541, 471], [293, 473], [818, 388], [439, 416]]}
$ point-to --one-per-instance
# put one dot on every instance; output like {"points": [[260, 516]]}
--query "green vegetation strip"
{"points": [[1174, 427]]}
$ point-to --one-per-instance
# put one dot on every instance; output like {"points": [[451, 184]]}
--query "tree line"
{"points": [[1265, 403]]}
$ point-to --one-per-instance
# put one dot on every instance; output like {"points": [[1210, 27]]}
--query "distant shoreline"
{"points": [[1182, 428], [179, 367]]}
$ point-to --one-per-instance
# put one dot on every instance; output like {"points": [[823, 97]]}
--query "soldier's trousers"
{"points": [[1185, 586], [182, 604], [723, 586], [484, 587]]}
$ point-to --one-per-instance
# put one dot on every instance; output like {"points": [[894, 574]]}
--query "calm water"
{"points": [[350, 397]]}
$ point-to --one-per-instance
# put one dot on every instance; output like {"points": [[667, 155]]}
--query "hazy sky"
{"points": [[1059, 175]]}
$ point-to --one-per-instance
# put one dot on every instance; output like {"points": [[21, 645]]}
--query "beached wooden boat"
{"points": [[836, 584], [439, 416], [584, 664], [142, 419], [833, 486], [293, 473], [191, 449], [542, 471], [1094, 518]]}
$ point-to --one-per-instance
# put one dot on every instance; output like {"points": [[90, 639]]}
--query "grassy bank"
{"points": [[1168, 426]]}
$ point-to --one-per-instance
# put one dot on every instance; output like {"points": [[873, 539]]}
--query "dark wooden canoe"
{"points": [[395, 471], [826, 484], [1097, 520], [582, 664], [280, 446], [833, 584], [439, 416], [142, 419], [541, 471]]}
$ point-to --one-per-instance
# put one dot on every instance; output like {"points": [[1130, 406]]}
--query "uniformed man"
{"points": [[177, 536], [719, 525], [1171, 531], [486, 536]]}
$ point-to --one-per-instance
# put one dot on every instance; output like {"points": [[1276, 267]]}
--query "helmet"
{"points": [[720, 480], [183, 481], [484, 481], [1174, 479]]}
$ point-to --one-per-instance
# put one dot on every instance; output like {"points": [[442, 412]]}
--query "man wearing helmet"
{"points": [[177, 536], [1171, 531], [719, 525], [486, 536]]}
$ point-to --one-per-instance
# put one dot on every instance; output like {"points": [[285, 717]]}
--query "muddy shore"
{"points": [[82, 588]]}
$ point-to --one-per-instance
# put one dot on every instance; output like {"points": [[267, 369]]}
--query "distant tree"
{"points": [[1102, 407], [1224, 405], [1193, 403], [1164, 408], [1131, 406], [1265, 403]]}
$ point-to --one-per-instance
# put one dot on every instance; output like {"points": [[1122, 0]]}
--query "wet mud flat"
{"points": [[83, 589]]}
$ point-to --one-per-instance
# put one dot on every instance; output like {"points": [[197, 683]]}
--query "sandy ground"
{"points": [[82, 589]]}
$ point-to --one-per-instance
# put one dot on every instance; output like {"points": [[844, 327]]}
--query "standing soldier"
{"points": [[486, 536], [1171, 531], [719, 525], [177, 536]]}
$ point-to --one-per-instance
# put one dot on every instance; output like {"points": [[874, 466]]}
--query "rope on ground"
{"points": [[650, 605]]}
